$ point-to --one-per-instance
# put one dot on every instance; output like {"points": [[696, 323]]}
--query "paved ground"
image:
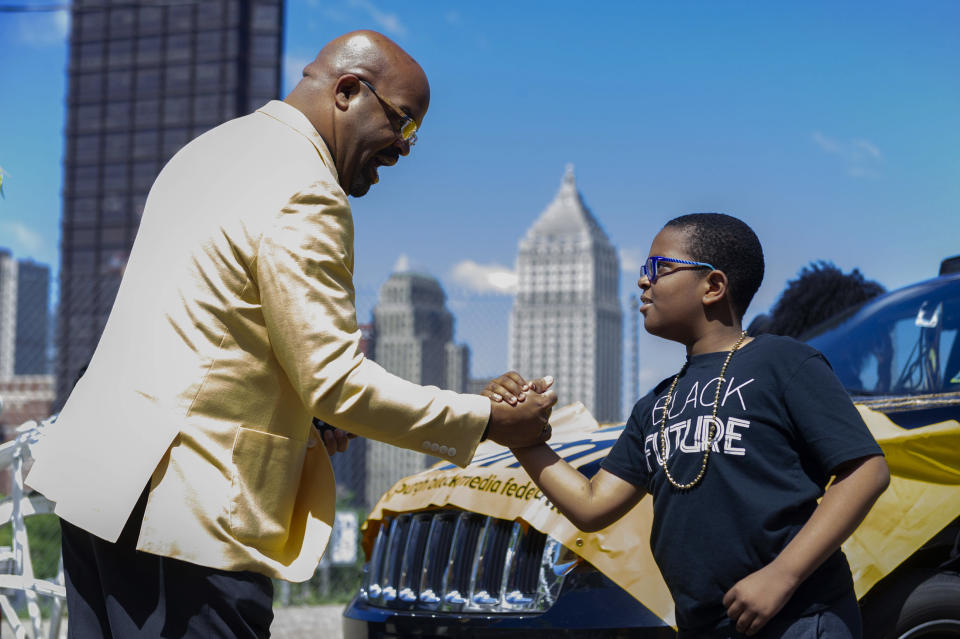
{"points": [[307, 622], [293, 622]]}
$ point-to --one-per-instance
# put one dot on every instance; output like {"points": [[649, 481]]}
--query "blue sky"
{"points": [[832, 128]]}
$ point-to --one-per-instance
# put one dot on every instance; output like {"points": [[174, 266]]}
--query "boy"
{"points": [[736, 449]]}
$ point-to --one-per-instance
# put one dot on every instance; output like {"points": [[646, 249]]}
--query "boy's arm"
{"points": [[589, 504], [759, 596]]}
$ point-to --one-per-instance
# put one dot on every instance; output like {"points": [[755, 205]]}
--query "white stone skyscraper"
{"points": [[413, 339], [566, 320]]}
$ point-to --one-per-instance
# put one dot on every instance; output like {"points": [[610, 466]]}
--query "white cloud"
{"points": [[293, 69], [631, 259], [23, 236], [485, 278], [861, 157], [389, 22], [43, 29]]}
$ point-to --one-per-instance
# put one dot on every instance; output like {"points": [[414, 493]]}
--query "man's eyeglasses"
{"points": [[649, 268], [408, 126]]}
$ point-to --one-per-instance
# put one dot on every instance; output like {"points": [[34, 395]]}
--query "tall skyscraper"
{"points": [[144, 78], [33, 306], [8, 313], [24, 304], [566, 318], [414, 340]]}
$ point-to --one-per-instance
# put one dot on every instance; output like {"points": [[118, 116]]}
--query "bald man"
{"points": [[184, 465]]}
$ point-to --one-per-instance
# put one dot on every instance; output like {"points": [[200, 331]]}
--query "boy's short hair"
{"points": [[730, 246]]}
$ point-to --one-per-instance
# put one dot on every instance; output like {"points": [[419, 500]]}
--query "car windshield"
{"points": [[902, 343]]}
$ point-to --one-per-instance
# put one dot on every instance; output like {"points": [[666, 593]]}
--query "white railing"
{"points": [[16, 567]]}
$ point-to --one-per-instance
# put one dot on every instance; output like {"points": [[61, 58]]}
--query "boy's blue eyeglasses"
{"points": [[649, 268]]}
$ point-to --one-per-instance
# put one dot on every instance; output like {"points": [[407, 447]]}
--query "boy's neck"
{"points": [[715, 339]]}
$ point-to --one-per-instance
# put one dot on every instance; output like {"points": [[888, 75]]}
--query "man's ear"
{"points": [[345, 90], [715, 287]]}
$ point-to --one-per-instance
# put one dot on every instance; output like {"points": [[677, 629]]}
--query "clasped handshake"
{"points": [[520, 413]]}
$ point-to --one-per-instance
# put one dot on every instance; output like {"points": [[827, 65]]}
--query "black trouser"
{"points": [[115, 591]]}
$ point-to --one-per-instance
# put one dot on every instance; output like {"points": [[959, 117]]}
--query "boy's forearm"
{"points": [[843, 507], [568, 489], [563, 484]]}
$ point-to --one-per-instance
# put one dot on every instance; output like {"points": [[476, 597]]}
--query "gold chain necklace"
{"points": [[712, 427]]}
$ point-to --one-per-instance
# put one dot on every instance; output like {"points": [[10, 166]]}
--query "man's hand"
{"points": [[756, 598], [525, 421], [334, 439]]}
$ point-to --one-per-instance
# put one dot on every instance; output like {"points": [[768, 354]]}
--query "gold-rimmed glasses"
{"points": [[408, 126]]}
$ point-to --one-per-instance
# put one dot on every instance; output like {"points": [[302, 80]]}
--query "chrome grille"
{"points": [[459, 561]]}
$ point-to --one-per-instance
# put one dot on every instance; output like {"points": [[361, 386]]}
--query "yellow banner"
{"points": [[924, 496]]}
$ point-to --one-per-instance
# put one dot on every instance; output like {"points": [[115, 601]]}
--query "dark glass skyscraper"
{"points": [[144, 78]]}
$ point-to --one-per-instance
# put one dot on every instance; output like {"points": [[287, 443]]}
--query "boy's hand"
{"points": [[756, 598], [511, 387]]}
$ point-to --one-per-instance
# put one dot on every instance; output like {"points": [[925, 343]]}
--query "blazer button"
{"points": [[311, 443], [444, 450], [434, 446], [426, 444], [452, 451]]}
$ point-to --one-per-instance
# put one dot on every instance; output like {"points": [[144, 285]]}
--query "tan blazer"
{"points": [[234, 324]]}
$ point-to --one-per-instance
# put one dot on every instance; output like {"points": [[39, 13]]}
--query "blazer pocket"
{"points": [[266, 477]]}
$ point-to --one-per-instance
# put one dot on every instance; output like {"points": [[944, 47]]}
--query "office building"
{"points": [[144, 79], [8, 313], [566, 319], [33, 307], [413, 333]]}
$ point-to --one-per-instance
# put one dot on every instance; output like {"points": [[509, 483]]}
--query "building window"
{"points": [[115, 179], [175, 111], [178, 79], [209, 45], [89, 86], [116, 148], [264, 48], [90, 56], [148, 83], [143, 175], [209, 14], [173, 139], [266, 17], [145, 144], [87, 118], [82, 238], [149, 50], [83, 211], [85, 180], [86, 149], [122, 22], [113, 210], [121, 53], [118, 115], [206, 109], [151, 20], [178, 48], [119, 85], [146, 114], [92, 24], [208, 77], [180, 18]]}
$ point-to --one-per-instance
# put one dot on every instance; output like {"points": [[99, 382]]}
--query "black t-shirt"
{"points": [[785, 422]]}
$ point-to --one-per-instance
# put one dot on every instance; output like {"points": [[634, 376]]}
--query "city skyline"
{"points": [[831, 129]]}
